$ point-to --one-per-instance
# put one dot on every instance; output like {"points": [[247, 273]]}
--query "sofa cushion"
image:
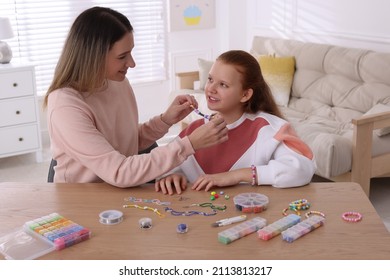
{"points": [[278, 73], [204, 70]]}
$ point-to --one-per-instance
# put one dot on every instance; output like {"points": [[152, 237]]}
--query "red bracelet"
{"points": [[253, 168], [352, 217]]}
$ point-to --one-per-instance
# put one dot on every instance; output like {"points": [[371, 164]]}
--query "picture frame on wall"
{"points": [[186, 15]]}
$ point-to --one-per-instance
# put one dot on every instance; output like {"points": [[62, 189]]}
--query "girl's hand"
{"points": [[179, 109], [170, 183], [212, 133], [224, 179]]}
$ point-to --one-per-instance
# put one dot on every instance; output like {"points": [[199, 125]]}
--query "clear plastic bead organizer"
{"points": [[41, 236], [236, 232], [274, 229]]}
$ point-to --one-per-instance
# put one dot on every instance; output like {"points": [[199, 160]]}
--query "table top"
{"points": [[82, 203]]}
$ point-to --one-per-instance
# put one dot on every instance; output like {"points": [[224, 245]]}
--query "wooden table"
{"points": [[82, 203]]}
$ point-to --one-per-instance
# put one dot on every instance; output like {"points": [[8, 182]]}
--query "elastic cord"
{"points": [[111, 217]]}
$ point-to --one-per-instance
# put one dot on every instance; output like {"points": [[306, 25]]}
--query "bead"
{"points": [[182, 228], [216, 195], [212, 197], [221, 192], [227, 196], [213, 193]]}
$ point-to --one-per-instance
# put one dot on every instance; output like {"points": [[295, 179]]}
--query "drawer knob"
{"points": [[15, 84], [21, 139], [17, 112]]}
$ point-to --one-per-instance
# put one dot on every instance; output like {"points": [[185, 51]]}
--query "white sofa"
{"points": [[339, 104]]}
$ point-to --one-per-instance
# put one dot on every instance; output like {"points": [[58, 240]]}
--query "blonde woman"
{"points": [[93, 116]]}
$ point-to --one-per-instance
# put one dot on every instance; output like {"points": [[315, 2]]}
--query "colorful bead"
{"points": [[227, 196], [221, 192], [212, 197], [213, 193], [352, 217]]}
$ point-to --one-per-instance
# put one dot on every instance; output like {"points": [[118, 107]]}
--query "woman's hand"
{"points": [[179, 109], [170, 183], [212, 133]]}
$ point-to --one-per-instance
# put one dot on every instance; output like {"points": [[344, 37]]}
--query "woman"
{"points": [[92, 111], [262, 148]]}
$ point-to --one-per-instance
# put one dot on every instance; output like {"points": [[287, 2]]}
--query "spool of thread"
{"points": [[145, 223], [111, 217]]}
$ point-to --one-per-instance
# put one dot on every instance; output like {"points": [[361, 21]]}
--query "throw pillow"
{"points": [[204, 69], [278, 72], [379, 108]]}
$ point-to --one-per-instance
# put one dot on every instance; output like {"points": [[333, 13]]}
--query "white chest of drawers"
{"points": [[19, 116]]}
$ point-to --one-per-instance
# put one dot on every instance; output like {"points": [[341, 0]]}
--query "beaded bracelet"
{"points": [[209, 204], [314, 212], [352, 217], [284, 212], [155, 201], [189, 213], [155, 210], [300, 204], [253, 168], [208, 117]]}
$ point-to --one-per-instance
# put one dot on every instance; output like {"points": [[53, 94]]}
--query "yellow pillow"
{"points": [[278, 72]]}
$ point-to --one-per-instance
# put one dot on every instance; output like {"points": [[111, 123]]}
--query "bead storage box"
{"points": [[236, 232], [42, 236]]}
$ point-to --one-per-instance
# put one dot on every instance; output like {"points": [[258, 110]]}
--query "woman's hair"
{"points": [[251, 77], [82, 63]]}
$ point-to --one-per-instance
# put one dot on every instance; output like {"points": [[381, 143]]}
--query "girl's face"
{"points": [[119, 58], [224, 91]]}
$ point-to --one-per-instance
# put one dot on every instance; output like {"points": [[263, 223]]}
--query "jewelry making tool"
{"points": [[58, 230], [189, 213], [304, 227], [251, 202], [196, 110], [155, 210], [274, 229], [236, 232], [229, 221], [352, 217], [155, 201], [110, 217], [209, 204]]}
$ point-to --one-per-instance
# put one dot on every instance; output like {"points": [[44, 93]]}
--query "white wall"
{"points": [[351, 23]]}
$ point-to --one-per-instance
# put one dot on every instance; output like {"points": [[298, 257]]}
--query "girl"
{"points": [[93, 116], [262, 149]]}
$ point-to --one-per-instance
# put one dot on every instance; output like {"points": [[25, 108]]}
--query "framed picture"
{"points": [[185, 15]]}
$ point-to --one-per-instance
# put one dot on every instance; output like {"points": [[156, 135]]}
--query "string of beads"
{"points": [[155, 201], [155, 210], [189, 213]]}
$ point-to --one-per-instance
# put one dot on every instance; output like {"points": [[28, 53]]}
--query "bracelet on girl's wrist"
{"points": [[253, 169]]}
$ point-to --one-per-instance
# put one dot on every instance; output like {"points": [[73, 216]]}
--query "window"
{"points": [[41, 26]]}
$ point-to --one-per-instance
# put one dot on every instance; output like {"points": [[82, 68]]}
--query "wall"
{"points": [[350, 23]]}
